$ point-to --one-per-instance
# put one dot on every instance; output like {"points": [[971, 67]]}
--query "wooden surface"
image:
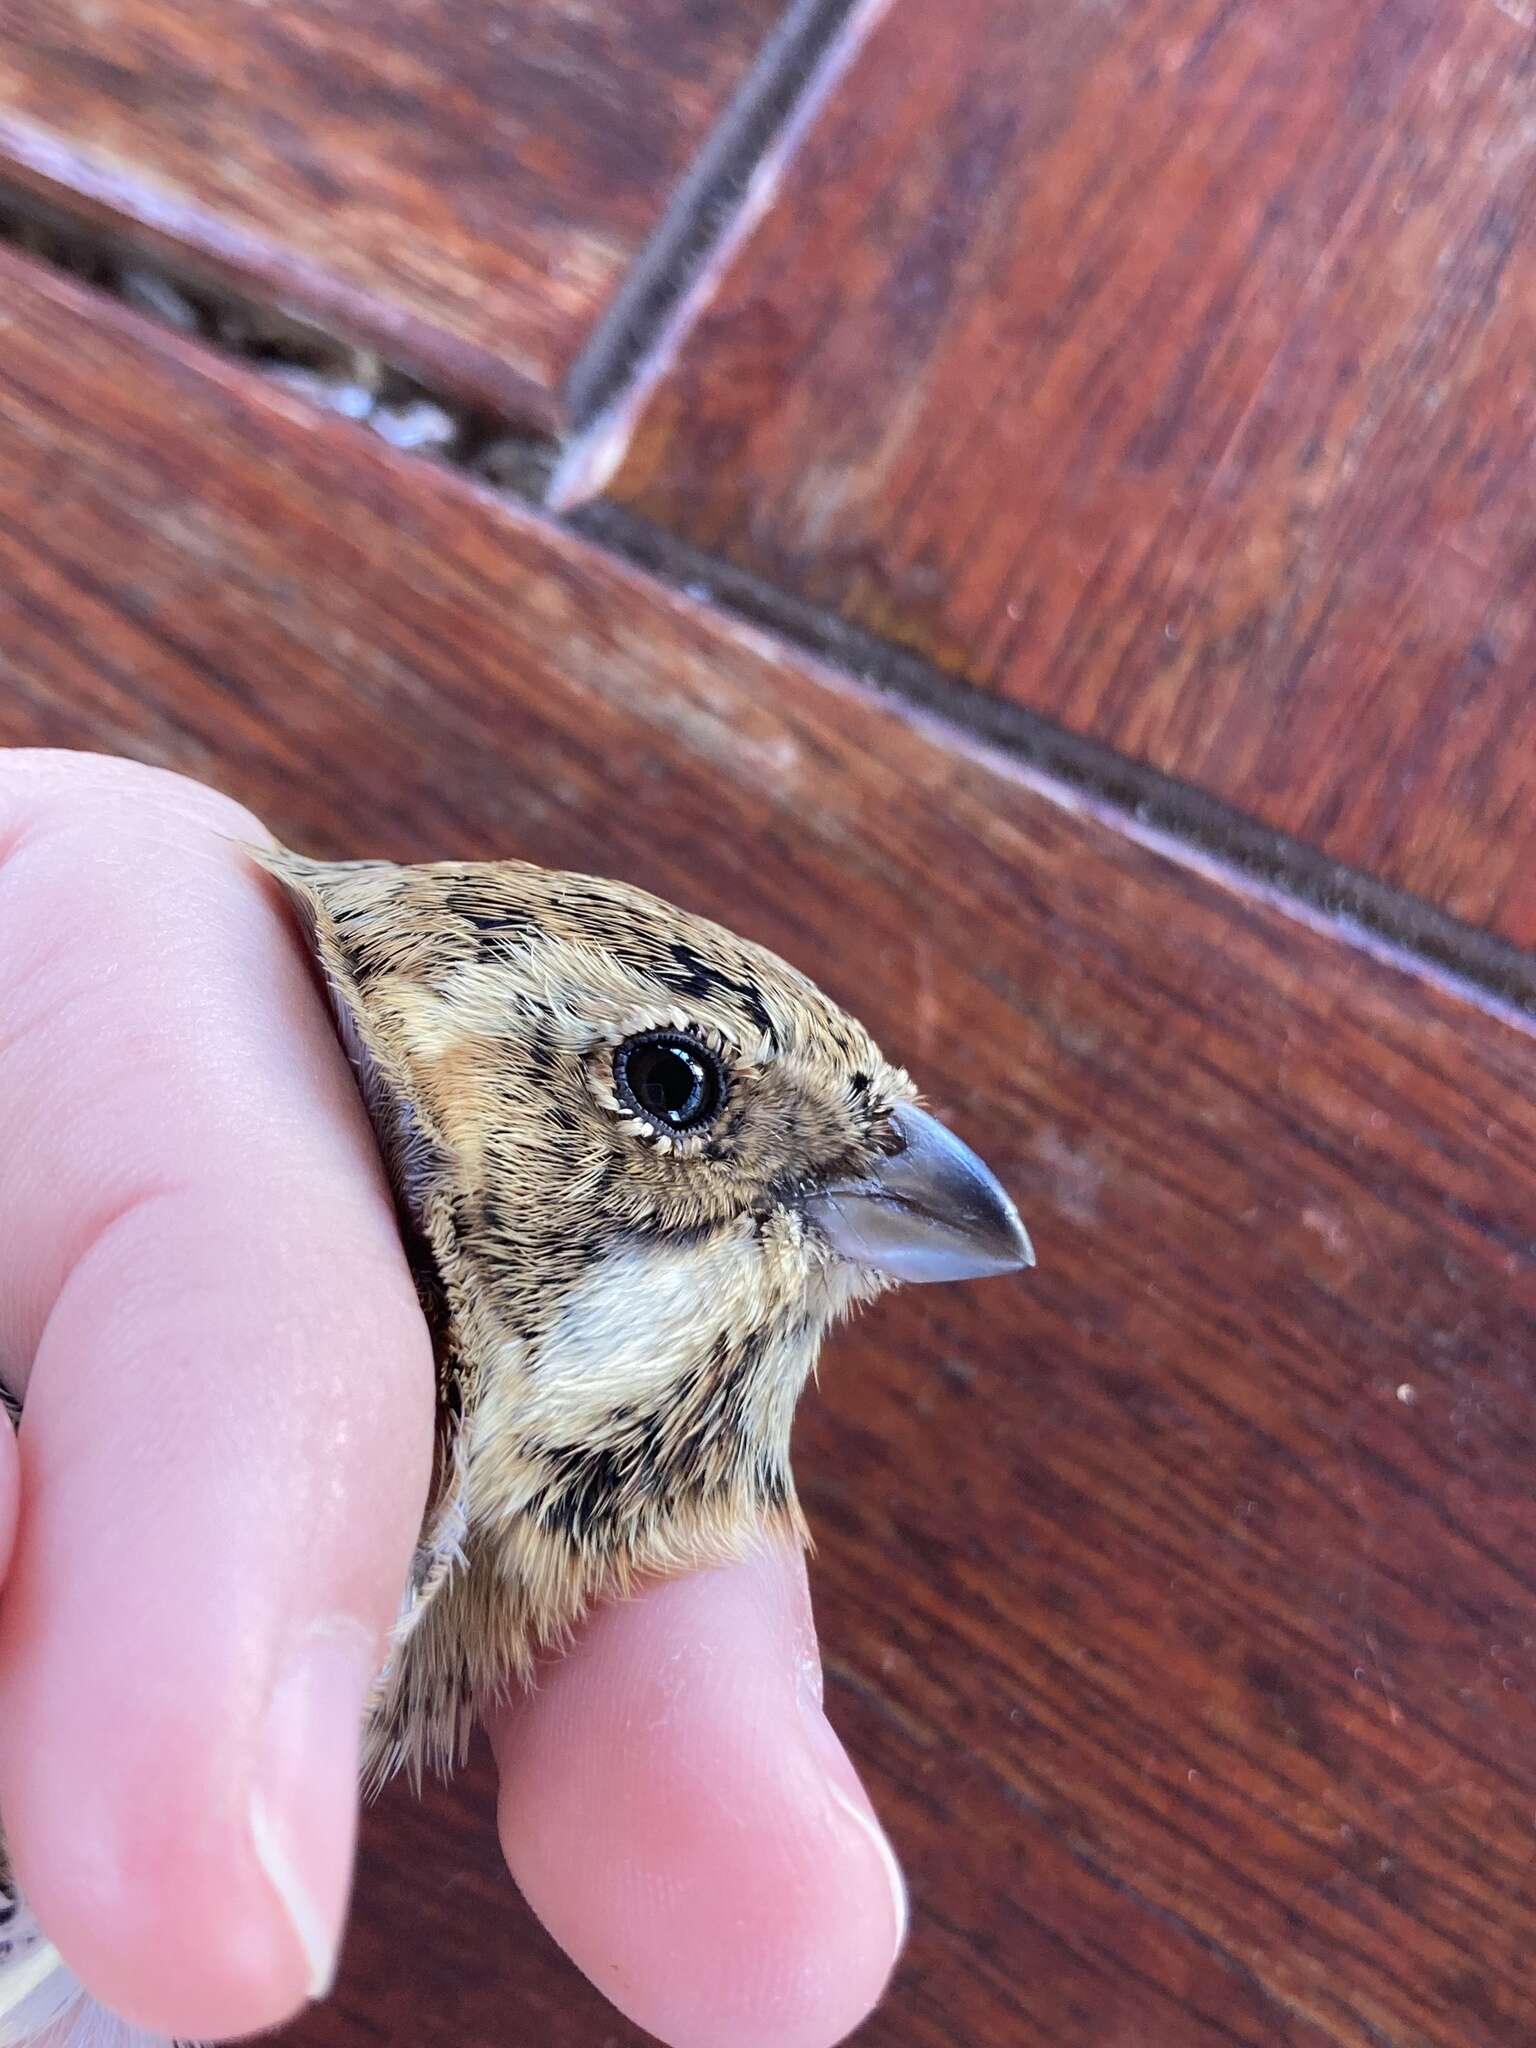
{"points": [[461, 182], [1178, 1602], [1167, 369]]}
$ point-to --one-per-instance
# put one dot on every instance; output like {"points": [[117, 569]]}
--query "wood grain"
{"points": [[1179, 1602], [461, 182], [1167, 369]]}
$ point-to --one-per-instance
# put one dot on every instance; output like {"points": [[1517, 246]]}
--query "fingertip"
{"points": [[193, 1869], [179, 1744], [681, 1816]]}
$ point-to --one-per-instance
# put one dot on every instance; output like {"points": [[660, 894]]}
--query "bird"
{"points": [[641, 1166]]}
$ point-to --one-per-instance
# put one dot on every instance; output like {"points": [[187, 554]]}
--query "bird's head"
{"points": [[649, 1163]]}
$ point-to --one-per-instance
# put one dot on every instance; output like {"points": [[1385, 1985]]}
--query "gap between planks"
{"points": [[1182, 822]]}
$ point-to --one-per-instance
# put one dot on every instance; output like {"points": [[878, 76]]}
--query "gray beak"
{"points": [[931, 1211]]}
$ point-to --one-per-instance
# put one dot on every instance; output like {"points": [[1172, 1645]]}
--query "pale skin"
{"points": [[207, 1520]]}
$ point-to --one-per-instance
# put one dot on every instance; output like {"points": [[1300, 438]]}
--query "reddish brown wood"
{"points": [[1167, 368], [1179, 1602], [463, 182]]}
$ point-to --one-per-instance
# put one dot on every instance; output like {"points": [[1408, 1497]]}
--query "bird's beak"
{"points": [[930, 1211]]}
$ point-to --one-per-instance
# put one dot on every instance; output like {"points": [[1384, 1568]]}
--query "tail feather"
{"points": [[41, 1998]]}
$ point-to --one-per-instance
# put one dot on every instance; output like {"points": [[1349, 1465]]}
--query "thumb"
{"points": [[682, 1818]]}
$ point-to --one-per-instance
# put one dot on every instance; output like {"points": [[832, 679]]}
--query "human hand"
{"points": [[220, 1479]]}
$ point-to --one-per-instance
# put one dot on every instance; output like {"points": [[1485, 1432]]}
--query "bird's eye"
{"points": [[674, 1081]]}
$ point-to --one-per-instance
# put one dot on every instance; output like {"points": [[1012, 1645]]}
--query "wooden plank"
{"points": [[1179, 1602], [460, 182], [1166, 369]]}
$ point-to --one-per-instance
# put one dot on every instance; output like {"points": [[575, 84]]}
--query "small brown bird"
{"points": [[641, 1166]]}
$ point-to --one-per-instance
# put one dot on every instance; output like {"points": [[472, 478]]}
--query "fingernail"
{"points": [[850, 1800], [862, 1814], [304, 1795]]}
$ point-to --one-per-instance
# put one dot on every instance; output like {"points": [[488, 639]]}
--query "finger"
{"points": [[10, 1492], [226, 1440], [680, 1815]]}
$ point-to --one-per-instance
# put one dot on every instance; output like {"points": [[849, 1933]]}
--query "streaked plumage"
{"points": [[641, 1166]]}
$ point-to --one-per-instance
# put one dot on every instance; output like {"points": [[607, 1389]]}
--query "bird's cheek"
{"points": [[787, 1248]]}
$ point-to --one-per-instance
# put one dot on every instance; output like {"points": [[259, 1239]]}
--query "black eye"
{"points": [[671, 1079]]}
